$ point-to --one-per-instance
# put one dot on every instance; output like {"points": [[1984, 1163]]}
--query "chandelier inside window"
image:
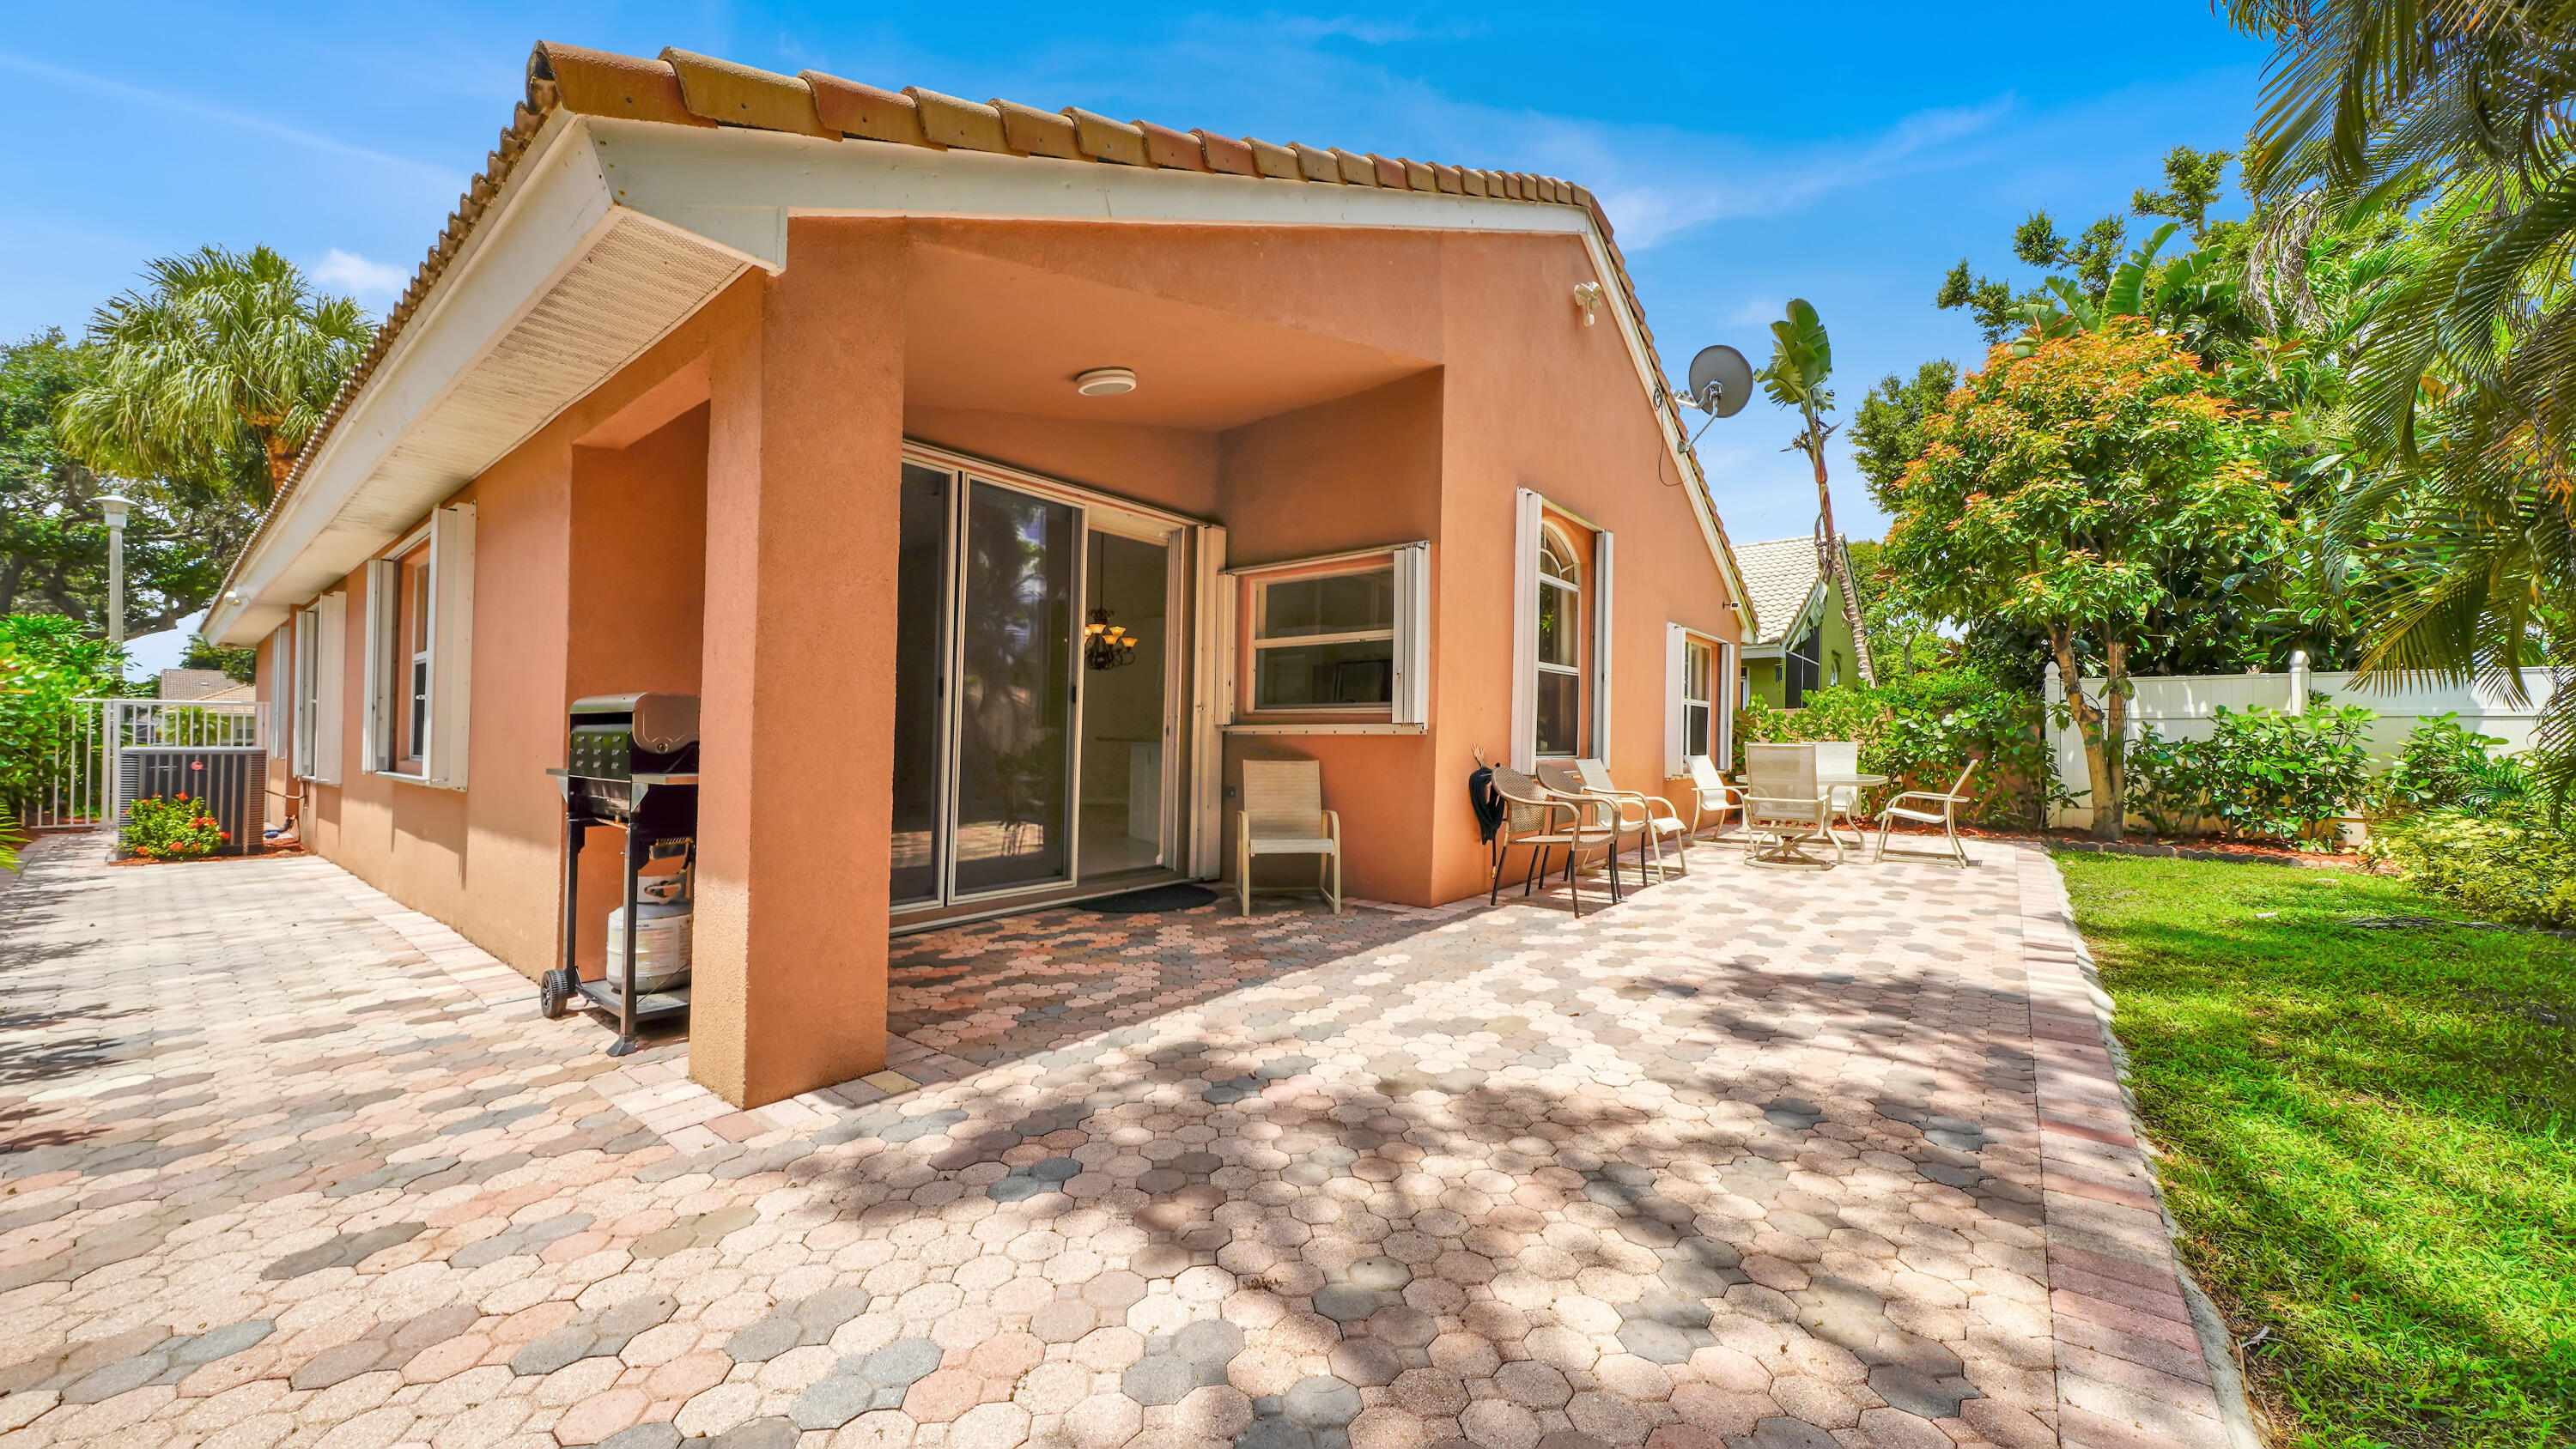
{"points": [[1106, 645]]}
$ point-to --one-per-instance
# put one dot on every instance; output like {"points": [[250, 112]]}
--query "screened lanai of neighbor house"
{"points": [[998, 481]]}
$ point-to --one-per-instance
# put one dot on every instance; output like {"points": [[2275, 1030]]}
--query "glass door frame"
{"points": [[1092, 511]]}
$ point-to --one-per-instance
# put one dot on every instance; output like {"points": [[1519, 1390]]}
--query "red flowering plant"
{"points": [[172, 828]]}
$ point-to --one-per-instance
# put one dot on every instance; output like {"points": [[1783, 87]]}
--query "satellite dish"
{"points": [[1721, 381]]}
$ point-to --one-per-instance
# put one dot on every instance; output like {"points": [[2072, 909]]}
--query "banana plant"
{"points": [[2189, 286], [1798, 376]]}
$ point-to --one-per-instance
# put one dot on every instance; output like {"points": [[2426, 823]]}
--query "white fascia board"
{"points": [[549, 211], [739, 187]]}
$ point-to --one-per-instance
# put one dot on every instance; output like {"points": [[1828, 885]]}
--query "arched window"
{"points": [[1560, 645]]}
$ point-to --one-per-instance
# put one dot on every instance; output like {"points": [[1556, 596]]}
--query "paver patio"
{"points": [[1754, 1159]]}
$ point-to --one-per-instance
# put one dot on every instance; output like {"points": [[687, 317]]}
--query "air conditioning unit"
{"points": [[230, 780]]}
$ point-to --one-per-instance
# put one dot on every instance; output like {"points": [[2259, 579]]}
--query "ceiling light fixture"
{"points": [[1105, 381]]}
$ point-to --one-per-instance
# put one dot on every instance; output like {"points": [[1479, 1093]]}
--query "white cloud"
{"points": [[355, 274], [1757, 312]]}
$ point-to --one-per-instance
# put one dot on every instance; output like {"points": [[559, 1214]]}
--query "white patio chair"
{"points": [[1842, 757], [1606, 818], [1535, 818], [1663, 822], [1941, 810], [1710, 794], [1283, 814], [1784, 806]]}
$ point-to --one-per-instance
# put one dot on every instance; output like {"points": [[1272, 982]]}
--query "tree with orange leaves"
{"points": [[2065, 490]]}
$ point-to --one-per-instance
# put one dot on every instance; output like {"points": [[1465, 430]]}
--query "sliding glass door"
{"points": [[1034, 718]]}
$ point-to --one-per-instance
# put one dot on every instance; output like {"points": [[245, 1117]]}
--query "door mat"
{"points": [[1149, 901]]}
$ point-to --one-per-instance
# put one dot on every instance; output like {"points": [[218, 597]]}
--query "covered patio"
{"points": [[1746, 1160]]}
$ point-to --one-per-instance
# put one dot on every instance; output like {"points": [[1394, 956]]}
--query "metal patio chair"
{"points": [[1607, 817], [1710, 794], [1941, 810], [1283, 814], [1663, 822], [1785, 807], [1534, 817]]}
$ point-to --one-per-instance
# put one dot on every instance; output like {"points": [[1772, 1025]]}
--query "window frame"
{"points": [[1574, 615], [416, 691], [1254, 642], [1408, 708], [1699, 655]]}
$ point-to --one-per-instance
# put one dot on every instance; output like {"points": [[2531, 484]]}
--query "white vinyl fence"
{"points": [[2184, 706], [77, 773]]}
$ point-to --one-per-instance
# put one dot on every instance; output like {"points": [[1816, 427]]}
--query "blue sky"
{"points": [[1746, 154]]}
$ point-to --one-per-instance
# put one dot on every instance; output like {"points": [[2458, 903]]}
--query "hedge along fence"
{"points": [[2185, 708], [1920, 731]]}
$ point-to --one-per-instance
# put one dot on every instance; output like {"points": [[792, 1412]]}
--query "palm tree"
{"points": [[1802, 364], [2462, 382], [222, 350]]}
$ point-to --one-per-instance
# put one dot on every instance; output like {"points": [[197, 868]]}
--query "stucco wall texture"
{"points": [[721, 516]]}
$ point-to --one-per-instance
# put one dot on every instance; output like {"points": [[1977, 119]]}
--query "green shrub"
{"points": [[46, 662], [172, 828], [1920, 730], [2444, 765], [2264, 774], [2506, 867]]}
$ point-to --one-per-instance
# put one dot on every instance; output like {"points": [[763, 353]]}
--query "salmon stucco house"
{"points": [[849, 411]]}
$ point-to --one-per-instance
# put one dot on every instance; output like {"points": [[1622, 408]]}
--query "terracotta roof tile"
{"points": [[959, 125], [686, 89], [864, 111], [1279, 163], [1033, 132], [1119, 143], [1226, 154], [741, 95], [602, 83]]}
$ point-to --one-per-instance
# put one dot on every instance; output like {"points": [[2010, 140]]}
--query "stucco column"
{"points": [[803, 464]]}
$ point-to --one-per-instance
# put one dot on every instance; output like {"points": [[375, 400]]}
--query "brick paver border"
{"points": [[2132, 1368]]}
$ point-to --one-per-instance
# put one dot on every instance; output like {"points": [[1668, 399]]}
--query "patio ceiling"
{"points": [[995, 335]]}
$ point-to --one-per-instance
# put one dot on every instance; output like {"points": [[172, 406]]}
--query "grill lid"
{"points": [[661, 723]]}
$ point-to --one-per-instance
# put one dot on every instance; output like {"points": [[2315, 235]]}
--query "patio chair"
{"points": [[1842, 757], [1663, 822], [1710, 794], [1284, 814], [1607, 818], [1941, 810], [1534, 817], [1784, 806]]}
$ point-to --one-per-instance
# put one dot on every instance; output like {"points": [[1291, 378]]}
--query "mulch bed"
{"points": [[2191, 848]]}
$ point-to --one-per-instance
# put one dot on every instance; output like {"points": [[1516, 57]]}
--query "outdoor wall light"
{"points": [[1587, 295], [1105, 381]]}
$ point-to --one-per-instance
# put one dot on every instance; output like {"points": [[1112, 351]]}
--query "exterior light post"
{"points": [[115, 508]]}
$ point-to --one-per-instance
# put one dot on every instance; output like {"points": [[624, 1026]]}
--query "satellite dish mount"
{"points": [[1721, 383]]}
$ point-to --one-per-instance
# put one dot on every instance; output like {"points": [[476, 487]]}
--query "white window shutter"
{"points": [[331, 685], [1603, 618], [1525, 631], [384, 608], [1722, 692], [1211, 704], [451, 643], [1676, 678], [306, 626], [283, 680], [1413, 635]]}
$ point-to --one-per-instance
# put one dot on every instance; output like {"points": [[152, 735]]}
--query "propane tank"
{"points": [[661, 942]]}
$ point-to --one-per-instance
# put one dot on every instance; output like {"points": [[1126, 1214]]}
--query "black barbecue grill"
{"points": [[632, 766]]}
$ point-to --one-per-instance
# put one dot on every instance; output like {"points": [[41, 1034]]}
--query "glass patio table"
{"points": [[1860, 837]]}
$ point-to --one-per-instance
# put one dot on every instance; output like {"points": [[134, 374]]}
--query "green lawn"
{"points": [[2368, 1135]]}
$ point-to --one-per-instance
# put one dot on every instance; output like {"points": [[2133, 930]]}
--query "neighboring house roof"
{"points": [[1787, 591], [1780, 581], [683, 89]]}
